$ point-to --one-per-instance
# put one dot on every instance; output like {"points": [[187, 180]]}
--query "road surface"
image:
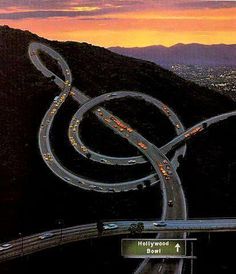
{"points": [[34, 243], [174, 202]]}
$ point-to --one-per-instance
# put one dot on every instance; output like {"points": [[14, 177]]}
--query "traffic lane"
{"points": [[118, 126], [36, 244], [28, 242], [156, 158], [41, 67], [77, 94], [160, 174], [57, 56], [35, 46], [88, 231], [108, 120], [94, 156], [173, 192], [148, 225], [136, 139], [64, 173], [46, 118], [122, 133], [95, 101], [63, 64], [172, 187], [195, 130]]}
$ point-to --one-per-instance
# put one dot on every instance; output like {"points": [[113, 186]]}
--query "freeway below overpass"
{"points": [[35, 243]]}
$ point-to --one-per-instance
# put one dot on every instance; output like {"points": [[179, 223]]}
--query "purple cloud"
{"points": [[207, 4], [50, 13], [59, 4], [34, 4], [66, 8]]}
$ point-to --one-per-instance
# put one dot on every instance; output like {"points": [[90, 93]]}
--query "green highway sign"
{"points": [[153, 248]]}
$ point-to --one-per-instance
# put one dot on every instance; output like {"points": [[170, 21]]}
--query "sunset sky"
{"points": [[125, 23]]}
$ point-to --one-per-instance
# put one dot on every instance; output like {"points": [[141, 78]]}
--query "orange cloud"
{"points": [[139, 28]]}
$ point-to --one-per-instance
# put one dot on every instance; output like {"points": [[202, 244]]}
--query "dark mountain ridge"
{"points": [[186, 54]]}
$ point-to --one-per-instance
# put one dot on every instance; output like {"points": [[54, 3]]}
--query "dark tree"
{"points": [[100, 226], [140, 187]]}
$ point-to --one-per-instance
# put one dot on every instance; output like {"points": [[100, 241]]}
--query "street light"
{"points": [[22, 243], [60, 222]]}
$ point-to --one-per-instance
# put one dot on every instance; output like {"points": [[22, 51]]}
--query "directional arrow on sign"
{"points": [[177, 246]]}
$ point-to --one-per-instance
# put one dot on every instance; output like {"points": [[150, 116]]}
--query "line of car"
{"points": [[94, 187], [117, 123], [165, 169], [142, 145], [194, 131], [48, 235]]}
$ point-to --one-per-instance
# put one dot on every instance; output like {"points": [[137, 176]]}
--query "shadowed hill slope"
{"points": [[27, 187]]}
